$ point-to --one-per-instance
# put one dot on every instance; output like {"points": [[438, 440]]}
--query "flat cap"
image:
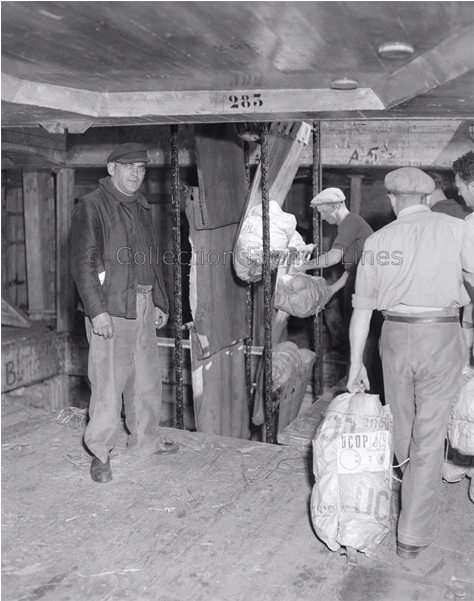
{"points": [[130, 152], [328, 196], [409, 180]]}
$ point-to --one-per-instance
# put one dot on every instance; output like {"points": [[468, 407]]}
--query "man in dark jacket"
{"points": [[440, 203], [119, 279]]}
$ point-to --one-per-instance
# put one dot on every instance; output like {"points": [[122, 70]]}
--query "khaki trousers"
{"points": [[126, 365], [422, 366]]}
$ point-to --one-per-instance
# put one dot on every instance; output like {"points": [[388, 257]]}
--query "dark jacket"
{"points": [[451, 207], [101, 239]]}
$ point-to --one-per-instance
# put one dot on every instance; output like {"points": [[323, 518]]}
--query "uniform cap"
{"points": [[131, 152], [409, 180], [328, 196]]}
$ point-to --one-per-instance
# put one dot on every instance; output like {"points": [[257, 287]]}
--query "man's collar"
{"points": [[413, 209]]}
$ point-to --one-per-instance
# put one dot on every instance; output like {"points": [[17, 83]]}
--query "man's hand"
{"points": [[357, 380], [102, 325], [300, 267], [161, 318], [338, 284], [301, 256]]}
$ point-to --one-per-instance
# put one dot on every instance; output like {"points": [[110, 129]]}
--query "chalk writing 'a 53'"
{"points": [[245, 101]]}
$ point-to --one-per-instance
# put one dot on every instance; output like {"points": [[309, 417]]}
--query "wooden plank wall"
{"points": [[14, 286]]}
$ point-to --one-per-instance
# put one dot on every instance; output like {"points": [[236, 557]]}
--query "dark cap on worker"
{"points": [[409, 180], [328, 196], [131, 152]]}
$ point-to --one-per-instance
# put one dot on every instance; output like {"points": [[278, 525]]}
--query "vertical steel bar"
{"points": [[177, 292], [267, 293], [248, 340], [318, 378]]}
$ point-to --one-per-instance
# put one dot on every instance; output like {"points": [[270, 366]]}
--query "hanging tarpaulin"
{"points": [[219, 392], [218, 298]]}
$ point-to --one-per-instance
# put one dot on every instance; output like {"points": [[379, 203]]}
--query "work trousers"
{"points": [[422, 364], [125, 365]]}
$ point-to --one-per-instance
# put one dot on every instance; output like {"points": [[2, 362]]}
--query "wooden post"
{"points": [[64, 282], [356, 193], [40, 239], [4, 242]]}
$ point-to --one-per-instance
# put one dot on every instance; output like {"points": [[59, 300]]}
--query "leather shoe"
{"points": [[408, 551], [167, 448], [101, 472]]}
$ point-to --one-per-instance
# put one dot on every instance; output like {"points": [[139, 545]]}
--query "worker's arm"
{"points": [[358, 332], [338, 284], [325, 259]]}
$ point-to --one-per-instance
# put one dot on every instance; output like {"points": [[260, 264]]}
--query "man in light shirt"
{"points": [[412, 271]]}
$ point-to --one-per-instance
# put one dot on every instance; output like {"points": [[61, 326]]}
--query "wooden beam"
{"points": [[443, 63], [356, 193], [392, 144], [4, 242], [357, 144], [65, 290], [92, 148], [40, 236], [12, 316], [383, 143], [252, 102], [35, 141]]}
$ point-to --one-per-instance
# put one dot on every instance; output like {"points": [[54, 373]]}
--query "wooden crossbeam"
{"points": [[285, 145], [12, 316]]}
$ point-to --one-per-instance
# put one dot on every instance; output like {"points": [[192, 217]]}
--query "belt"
{"points": [[142, 289], [411, 319]]}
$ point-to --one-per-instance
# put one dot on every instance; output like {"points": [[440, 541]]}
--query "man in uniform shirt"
{"points": [[421, 343]]}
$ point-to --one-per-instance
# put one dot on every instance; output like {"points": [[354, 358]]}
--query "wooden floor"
{"points": [[223, 520]]}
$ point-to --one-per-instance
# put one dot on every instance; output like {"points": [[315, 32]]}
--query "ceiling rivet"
{"points": [[344, 84], [395, 50]]}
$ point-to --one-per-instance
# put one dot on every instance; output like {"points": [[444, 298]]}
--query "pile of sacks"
{"points": [[301, 295], [352, 465], [288, 359], [460, 459], [248, 250]]}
